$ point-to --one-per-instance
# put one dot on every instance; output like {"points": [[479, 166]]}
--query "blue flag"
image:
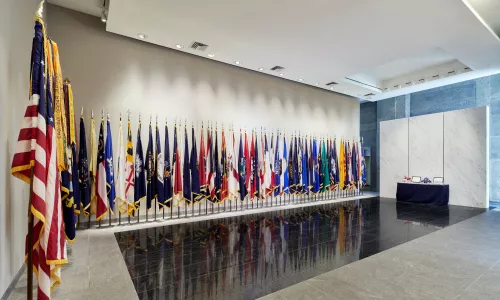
{"points": [[286, 182], [277, 168], [355, 173], [256, 167], [83, 170], [150, 173], [305, 176], [110, 177], [241, 171], [195, 175], [291, 169], [159, 169], [218, 173], [296, 168], [140, 176], [310, 165], [316, 183], [363, 165], [167, 175], [186, 180]]}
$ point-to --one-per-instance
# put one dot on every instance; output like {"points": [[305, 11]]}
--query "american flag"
{"points": [[36, 147]]}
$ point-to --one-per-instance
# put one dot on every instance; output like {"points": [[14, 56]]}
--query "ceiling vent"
{"points": [[277, 68], [331, 83], [369, 95], [199, 46]]}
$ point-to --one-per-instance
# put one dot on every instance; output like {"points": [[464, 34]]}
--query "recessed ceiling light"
{"points": [[317, 84], [261, 69], [281, 74], [237, 62], [300, 79], [331, 88], [142, 36], [211, 55], [179, 46]]}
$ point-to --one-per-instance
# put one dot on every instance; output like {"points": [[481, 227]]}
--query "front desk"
{"points": [[425, 193]]}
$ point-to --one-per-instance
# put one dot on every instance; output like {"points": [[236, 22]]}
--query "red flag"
{"points": [[225, 185], [177, 171], [248, 167], [201, 166]]}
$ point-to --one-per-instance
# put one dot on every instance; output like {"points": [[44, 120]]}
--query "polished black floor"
{"points": [[247, 257]]}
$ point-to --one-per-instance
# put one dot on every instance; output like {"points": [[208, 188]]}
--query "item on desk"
{"points": [[426, 180], [416, 179], [438, 180], [406, 178]]}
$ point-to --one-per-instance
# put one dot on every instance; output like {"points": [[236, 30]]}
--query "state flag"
{"points": [[83, 171], [101, 191], [110, 177], [140, 175], [167, 175], [159, 170]]}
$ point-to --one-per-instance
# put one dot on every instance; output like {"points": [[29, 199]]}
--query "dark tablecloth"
{"points": [[433, 194]]}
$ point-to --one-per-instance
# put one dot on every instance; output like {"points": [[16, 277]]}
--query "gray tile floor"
{"points": [[459, 262]]}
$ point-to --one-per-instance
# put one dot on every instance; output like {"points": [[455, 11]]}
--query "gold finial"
{"points": [[92, 114], [81, 114], [39, 11]]}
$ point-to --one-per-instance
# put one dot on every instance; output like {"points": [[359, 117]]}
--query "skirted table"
{"points": [[426, 193]]}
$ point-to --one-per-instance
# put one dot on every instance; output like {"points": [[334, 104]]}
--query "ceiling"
{"points": [[372, 50]]}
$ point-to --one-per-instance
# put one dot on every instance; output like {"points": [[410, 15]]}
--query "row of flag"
{"points": [[251, 166], [68, 180]]}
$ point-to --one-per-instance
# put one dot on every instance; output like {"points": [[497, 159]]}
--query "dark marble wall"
{"points": [[473, 93]]}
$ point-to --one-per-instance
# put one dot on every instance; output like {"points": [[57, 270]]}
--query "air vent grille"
{"points": [[277, 68], [331, 83], [199, 46], [369, 95]]}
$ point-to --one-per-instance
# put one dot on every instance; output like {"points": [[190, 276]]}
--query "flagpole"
{"points": [[128, 120], [109, 200], [92, 137], [30, 225], [119, 134], [29, 287], [138, 208]]}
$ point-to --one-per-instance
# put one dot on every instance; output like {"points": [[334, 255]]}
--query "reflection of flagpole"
{"points": [[109, 200]]}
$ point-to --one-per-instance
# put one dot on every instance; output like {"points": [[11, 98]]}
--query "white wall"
{"points": [[116, 73], [16, 33], [465, 156], [393, 155], [453, 144], [426, 146]]}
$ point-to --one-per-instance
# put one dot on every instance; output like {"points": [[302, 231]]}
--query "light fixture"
{"points": [[142, 36], [179, 46], [300, 79], [317, 84], [261, 69], [281, 74], [237, 62], [331, 88], [211, 55]]}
